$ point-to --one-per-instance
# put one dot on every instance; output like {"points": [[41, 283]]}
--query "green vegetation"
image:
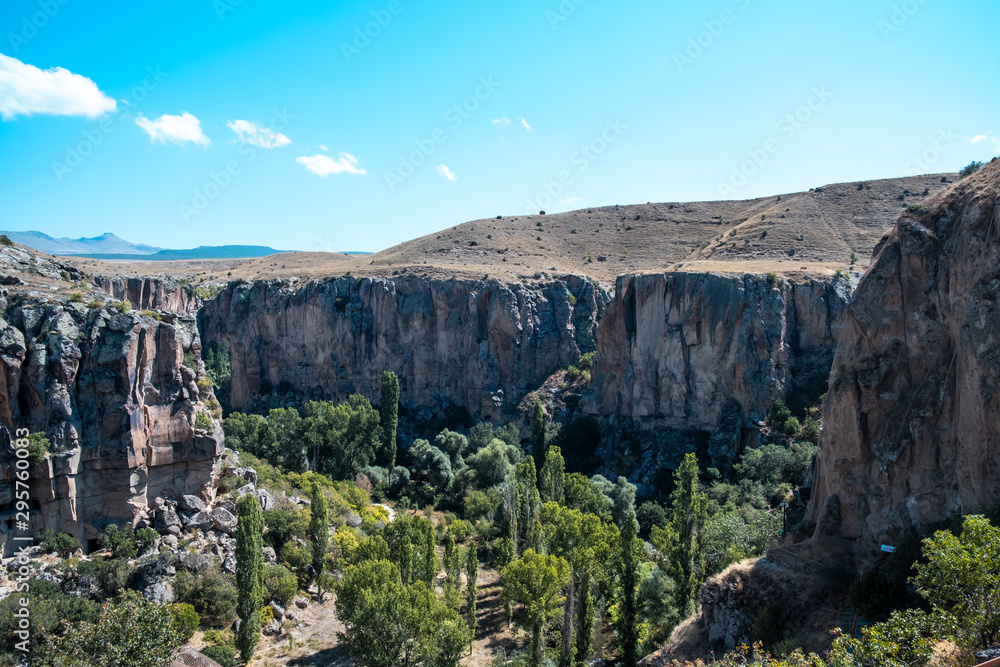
{"points": [[216, 358], [249, 574], [5, 240], [123, 306], [389, 416], [319, 531], [970, 169]]}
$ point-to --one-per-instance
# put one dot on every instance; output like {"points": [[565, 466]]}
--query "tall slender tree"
{"points": [[529, 504], [585, 622], [552, 484], [249, 573], [471, 578], [390, 416], [628, 580], [319, 530], [538, 435]]}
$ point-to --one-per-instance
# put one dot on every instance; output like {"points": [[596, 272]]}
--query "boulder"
{"points": [[190, 503], [224, 520], [166, 520], [199, 521], [269, 555]]}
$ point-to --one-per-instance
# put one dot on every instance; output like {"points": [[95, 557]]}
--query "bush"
{"points": [[772, 278], [59, 543], [123, 306], [459, 529], [203, 421], [212, 594], [970, 169], [648, 515], [186, 620], [5, 240], [224, 655], [119, 541], [280, 584], [38, 447], [791, 426], [76, 297]]}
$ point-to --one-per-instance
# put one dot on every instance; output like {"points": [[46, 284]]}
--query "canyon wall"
{"points": [[150, 293], [458, 346], [912, 420], [110, 391]]}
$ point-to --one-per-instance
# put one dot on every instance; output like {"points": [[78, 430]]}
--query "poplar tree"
{"points": [[471, 579], [319, 528], [390, 416], [552, 479], [538, 434], [628, 580], [249, 573]]}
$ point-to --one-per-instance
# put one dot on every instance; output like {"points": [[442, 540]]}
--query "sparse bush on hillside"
{"points": [[970, 169], [5, 240]]}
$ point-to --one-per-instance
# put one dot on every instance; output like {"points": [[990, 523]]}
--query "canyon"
{"points": [[678, 352]]}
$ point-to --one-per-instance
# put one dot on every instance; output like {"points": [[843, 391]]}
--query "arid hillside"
{"points": [[814, 232]]}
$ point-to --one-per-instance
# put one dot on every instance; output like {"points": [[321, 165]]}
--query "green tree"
{"points": [[680, 543], [535, 581], [552, 483], [628, 580], [129, 632], [961, 578], [388, 623], [538, 434], [249, 573], [584, 622], [319, 531], [529, 504], [471, 579], [389, 414]]}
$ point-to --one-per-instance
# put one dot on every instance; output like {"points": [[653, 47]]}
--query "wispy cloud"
{"points": [[524, 124], [446, 172], [258, 135], [324, 165], [175, 129], [502, 120], [26, 90], [323, 148], [976, 139]]}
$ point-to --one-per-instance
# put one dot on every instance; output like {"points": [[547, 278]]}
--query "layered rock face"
{"points": [[912, 418], [457, 346], [110, 391], [147, 293], [695, 350]]}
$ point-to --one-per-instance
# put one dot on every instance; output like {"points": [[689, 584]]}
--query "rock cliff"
{"points": [[912, 418], [113, 394], [150, 293], [695, 351], [460, 347]]}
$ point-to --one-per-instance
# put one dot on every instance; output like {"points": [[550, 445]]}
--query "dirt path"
{"points": [[313, 642]]}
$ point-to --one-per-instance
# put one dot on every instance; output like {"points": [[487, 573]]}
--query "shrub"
{"points": [[76, 297], [810, 428], [203, 421], [970, 169], [280, 584], [791, 426], [38, 447], [123, 306], [95, 303], [59, 543], [772, 279], [119, 541], [186, 620], [459, 529], [212, 594], [224, 655], [5, 240], [854, 258]]}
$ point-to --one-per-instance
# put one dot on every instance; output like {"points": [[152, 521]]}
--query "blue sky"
{"points": [[461, 110]]}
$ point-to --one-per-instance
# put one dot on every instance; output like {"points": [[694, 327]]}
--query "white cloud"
{"points": [[323, 148], [175, 129], [324, 165], [502, 120], [258, 135], [569, 200], [26, 89], [446, 172], [976, 139], [524, 123]]}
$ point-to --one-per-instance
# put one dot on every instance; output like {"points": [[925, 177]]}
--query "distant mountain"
{"points": [[97, 246], [109, 246], [201, 252]]}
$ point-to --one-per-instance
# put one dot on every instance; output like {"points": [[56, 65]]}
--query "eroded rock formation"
{"points": [[112, 393], [912, 418], [150, 293], [458, 346]]}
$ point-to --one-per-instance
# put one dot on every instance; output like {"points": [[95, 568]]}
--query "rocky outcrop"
{"points": [[150, 293], [912, 418], [111, 392], [458, 346], [695, 351]]}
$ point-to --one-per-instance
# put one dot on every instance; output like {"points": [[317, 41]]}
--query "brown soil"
{"points": [[752, 236]]}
